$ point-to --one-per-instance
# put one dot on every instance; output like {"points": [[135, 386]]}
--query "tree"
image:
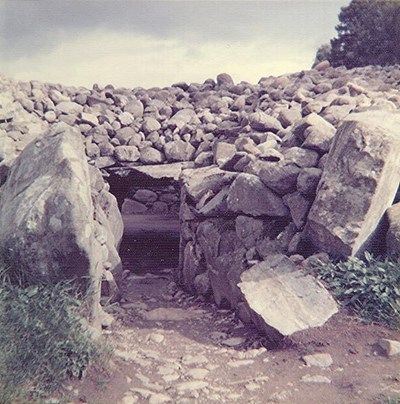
{"points": [[368, 33], [323, 53]]}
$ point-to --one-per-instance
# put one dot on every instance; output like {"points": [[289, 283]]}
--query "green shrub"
{"points": [[370, 287], [44, 338]]}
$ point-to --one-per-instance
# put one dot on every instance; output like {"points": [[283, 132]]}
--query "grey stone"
{"points": [[150, 155], [217, 205], [359, 183], [390, 347], [279, 176], [126, 153], [135, 108], [288, 117], [308, 180], [149, 125], [262, 122], [145, 196], [312, 120], [301, 157], [250, 196], [321, 360], [318, 140], [179, 150], [250, 230], [223, 152], [130, 207], [199, 181], [182, 118], [69, 107], [316, 379], [284, 298], [299, 207], [225, 80]]}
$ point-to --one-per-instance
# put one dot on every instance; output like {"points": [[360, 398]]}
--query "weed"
{"points": [[44, 338], [389, 400], [369, 286]]}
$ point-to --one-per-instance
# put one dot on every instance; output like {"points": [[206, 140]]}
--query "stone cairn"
{"points": [[270, 174]]}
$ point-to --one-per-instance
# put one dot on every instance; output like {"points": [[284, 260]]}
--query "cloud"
{"points": [[31, 26], [155, 43], [142, 60]]}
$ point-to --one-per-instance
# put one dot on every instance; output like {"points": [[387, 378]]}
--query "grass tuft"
{"points": [[44, 338], [370, 287]]}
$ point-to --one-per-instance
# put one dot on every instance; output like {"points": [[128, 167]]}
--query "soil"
{"points": [[170, 347]]}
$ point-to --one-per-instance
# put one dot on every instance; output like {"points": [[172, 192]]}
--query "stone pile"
{"points": [[159, 200], [253, 161]]}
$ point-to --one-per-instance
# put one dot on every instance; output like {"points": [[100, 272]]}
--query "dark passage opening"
{"points": [[151, 240], [150, 243]]}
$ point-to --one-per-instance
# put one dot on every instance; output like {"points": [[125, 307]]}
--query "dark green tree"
{"points": [[368, 33]]}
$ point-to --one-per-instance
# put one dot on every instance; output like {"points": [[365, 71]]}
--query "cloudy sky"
{"points": [[150, 43]]}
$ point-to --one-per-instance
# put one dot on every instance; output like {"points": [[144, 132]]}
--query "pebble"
{"points": [[321, 360], [198, 373], [233, 342], [157, 338], [252, 386], [194, 360], [129, 399], [171, 314], [239, 363], [315, 379], [390, 347], [158, 398], [191, 385]]}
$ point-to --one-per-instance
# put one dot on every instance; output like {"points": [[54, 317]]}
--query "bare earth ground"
{"points": [[205, 355]]}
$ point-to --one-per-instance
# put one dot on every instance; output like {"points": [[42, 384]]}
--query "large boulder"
{"points": [[359, 183], [49, 226], [283, 299]]}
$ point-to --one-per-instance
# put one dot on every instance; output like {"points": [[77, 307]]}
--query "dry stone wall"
{"points": [[253, 161]]}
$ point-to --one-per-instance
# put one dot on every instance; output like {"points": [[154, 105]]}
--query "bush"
{"points": [[44, 338], [370, 287]]}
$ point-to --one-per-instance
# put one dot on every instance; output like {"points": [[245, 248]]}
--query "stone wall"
{"points": [[251, 162]]}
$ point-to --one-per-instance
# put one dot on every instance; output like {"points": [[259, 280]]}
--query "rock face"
{"points": [[359, 183], [47, 216], [285, 298]]}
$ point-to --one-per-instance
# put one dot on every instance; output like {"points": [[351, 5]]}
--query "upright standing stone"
{"points": [[359, 183]]}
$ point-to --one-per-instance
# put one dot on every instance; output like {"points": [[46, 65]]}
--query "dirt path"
{"points": [[205, 355]]}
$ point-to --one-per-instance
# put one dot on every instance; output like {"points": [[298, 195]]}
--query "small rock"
{"points": [[129, 399], [239, 363], [191, 386], [157, 338], [158, 398], [390, 347], [315, 379], [198, 373], [232, 342], [194, 360], [252, 386], [321, 360]]}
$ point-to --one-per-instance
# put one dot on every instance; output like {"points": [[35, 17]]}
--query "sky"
{"points": [[151, 43]]}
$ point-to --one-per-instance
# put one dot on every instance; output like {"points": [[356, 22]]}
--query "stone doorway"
{"points": [[149, 204]]}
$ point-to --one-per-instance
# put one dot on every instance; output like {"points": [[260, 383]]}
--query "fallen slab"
{"points": [[283, 299]]}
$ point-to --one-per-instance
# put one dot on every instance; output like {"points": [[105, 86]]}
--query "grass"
{"points": [[389, 400], [44, 338], [370, 287]]}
